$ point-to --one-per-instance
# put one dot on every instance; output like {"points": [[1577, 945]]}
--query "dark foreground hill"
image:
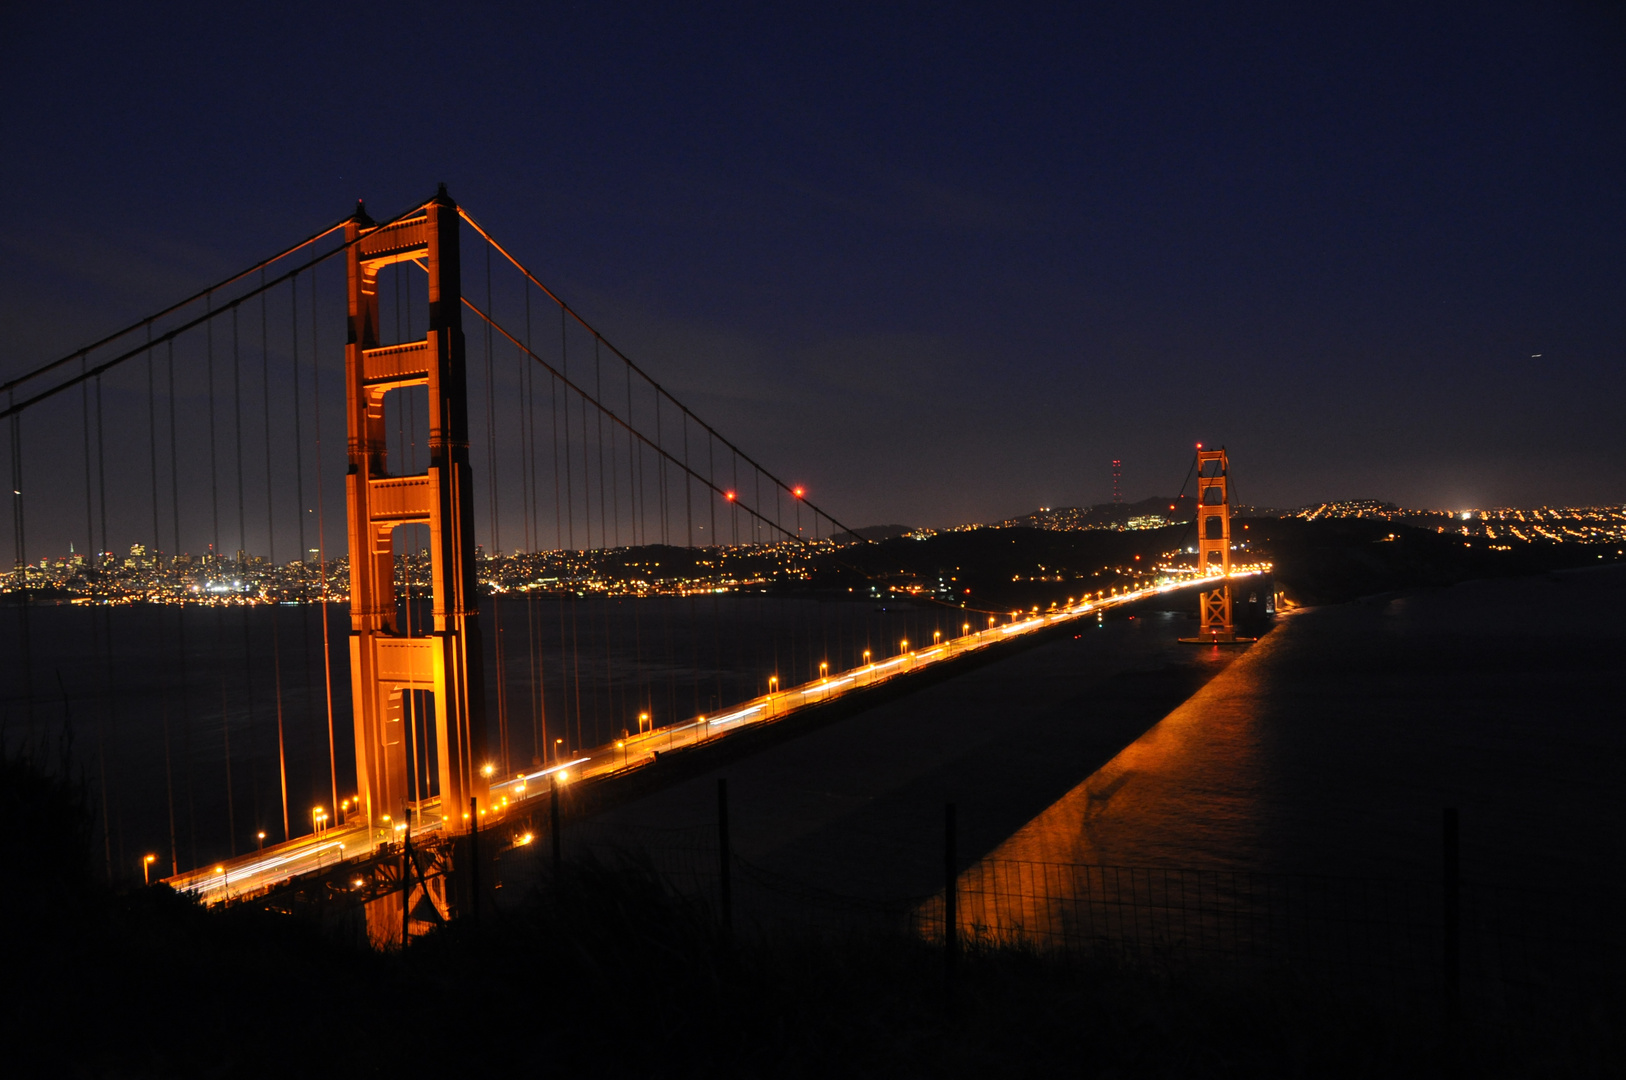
{"points": [[606, 973]]}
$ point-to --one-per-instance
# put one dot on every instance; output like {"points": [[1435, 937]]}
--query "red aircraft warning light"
{"points": [[730, 496], [797, 491]]}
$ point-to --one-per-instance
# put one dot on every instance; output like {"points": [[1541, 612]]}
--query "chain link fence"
{"points": [[1519, 950]]}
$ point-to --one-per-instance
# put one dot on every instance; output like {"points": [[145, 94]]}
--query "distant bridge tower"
{"points": [[1214, 541], [385, 663], [1117, 478]]}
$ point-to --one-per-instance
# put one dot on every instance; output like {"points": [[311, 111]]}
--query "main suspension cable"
{"points": [[567, 309]]}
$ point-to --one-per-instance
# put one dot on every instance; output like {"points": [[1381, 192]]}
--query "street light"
{"points": [[824, 670], [556, 744], [937, 636], [146, 869], [261, 837], [643, 718], [965, 628], [621, 745], [487, 770]]}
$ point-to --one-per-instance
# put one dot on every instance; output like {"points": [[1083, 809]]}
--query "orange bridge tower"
{"points": [[1214, 542], [387, 666]]}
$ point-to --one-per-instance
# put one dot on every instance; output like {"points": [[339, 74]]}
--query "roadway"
{"points": [[248, 874]]}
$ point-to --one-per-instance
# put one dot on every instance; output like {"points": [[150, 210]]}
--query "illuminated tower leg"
{"points": [[384, 663], [1214, 544]]}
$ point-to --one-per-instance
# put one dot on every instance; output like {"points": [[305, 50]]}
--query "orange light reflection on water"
{"points": [[1184, 794]]}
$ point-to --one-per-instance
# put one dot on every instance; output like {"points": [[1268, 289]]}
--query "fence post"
{"points": [[1452, 957], [406, 887], [553, 821], [724, 884], [951, 905], [474, 856]]}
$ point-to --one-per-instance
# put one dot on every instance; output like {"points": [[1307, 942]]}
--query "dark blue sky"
{"points": [[940, 263]]}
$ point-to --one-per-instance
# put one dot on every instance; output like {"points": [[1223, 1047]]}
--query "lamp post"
{"points": [[146, 869], [557, 743], [621, 745], [824, 670], [260, 836]]}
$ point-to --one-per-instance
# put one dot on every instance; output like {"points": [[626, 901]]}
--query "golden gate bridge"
{"points": [[545, 432]]}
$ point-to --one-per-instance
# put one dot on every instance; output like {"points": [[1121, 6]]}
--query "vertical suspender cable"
{"points": [[158, 567], [271, 559], [559, 539], [586, 560], [214, 571], [635, 502], [570, 529], [104, 715], [300, 508], [694, 556], [533, 537], [180, 626], [321, 546], [604, 545], [716, 547], [666, 540], [496, 542], [243, 565], [92, 558], [19, 556]]}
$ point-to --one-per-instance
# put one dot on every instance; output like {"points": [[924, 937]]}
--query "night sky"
{"points": [[940, 263]]}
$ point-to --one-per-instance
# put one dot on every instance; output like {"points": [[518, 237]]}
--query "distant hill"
{"points": [[1331, 560], [1146, 514], [873, 532]]}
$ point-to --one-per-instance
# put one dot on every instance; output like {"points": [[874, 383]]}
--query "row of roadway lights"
{"points": [[320, 819]]}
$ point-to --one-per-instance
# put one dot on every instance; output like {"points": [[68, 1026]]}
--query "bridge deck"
{"points": [[249, 874]]}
